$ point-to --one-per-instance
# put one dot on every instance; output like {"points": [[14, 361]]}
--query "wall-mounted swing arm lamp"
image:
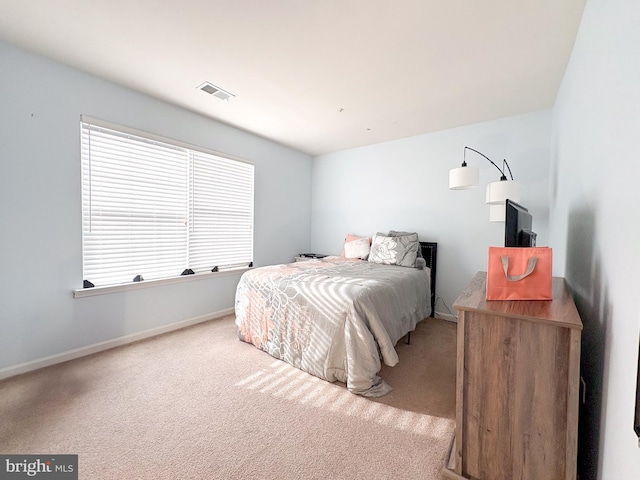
{"points": [[497, 192]]}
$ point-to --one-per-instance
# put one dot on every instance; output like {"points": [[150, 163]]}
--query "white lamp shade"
{"points": [[497, 213], [464, 177], [499, 192]]}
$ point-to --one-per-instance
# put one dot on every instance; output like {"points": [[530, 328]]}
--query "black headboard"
{"points": [[636, 422], [430, 254]]}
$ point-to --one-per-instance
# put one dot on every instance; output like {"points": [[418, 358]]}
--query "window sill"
{"points": [[125, 287]]}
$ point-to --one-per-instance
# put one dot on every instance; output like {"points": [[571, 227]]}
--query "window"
{"points": [[153, 208]]}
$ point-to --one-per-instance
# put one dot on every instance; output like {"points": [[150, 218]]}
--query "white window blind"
{"points": [[155, 209]]}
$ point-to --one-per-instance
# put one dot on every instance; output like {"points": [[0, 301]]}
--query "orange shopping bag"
{"points": [[515, 273]]}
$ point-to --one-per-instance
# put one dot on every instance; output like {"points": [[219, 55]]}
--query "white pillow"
{"points": [[357, 248], [401, 250], [383, 250]]}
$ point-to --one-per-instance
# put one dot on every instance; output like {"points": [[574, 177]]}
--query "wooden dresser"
{"points": [[518, 376]]}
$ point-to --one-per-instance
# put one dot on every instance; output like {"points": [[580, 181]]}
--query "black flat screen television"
{"points": [[517, 226]]}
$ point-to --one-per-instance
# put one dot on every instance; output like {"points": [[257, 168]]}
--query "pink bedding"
{"points": [[334, 318]]}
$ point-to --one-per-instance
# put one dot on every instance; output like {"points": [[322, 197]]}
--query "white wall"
{"points": [[403, 185], [40, 210], [595, 225]]}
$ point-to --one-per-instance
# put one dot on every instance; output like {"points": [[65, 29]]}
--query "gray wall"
{"points": [[404, 185], [595, 226], [40, 209]]}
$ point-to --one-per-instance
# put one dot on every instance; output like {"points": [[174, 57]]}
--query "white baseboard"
{"points": [[446, 316], [106, 345]]}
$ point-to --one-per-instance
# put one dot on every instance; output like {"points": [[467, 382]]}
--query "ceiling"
{"points": [[317, 75]]}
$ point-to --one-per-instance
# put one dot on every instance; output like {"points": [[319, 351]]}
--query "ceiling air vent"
{"points": [[211, 89]]}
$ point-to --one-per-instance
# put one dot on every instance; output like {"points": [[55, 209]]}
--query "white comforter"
{"points": [[334, 318]]}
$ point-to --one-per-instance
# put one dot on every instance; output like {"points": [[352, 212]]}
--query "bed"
{"points": [[336, 318]]}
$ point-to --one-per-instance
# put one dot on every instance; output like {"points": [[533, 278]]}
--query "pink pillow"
{"points": [[351, 238], [357, 248]]}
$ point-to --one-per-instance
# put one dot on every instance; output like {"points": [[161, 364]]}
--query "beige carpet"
{"points": [[199, 404]]}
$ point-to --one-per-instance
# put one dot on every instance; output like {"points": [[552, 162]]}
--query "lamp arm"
{"points": [[504, 162], [492, 162]]}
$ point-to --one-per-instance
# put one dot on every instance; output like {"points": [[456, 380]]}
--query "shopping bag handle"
{"points": [[531, 264]]}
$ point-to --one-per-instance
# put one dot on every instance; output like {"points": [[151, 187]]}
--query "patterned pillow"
{"points": [[395, 233], [401, 250]]}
